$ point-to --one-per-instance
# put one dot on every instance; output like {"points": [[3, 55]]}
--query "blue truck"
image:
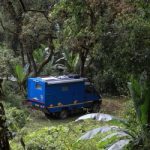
{"points": [[62, 95]]}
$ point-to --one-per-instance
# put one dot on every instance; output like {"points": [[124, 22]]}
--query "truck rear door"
{"points": [[36, 90]]}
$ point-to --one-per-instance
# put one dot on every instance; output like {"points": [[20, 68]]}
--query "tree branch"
{"points": [[22, 5], [51, 47], [45, 62], [6, 29], [34, 10], [25, 10]]}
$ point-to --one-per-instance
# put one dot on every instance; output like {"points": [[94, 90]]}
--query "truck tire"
{"points": [[48, 116], [96, 107], [63, 114]]}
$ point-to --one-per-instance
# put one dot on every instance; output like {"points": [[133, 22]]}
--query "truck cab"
{"points": [[62, 95]]}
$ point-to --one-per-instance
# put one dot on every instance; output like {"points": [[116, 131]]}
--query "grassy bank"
{"points": [[63, 134]]}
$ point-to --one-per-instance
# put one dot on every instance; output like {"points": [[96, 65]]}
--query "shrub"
{"points": [[129, 114], [14, 100], [47, 138], [16, 118], [12, 94]]}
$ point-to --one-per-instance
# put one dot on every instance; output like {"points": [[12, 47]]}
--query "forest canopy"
{"points": [[105, 35]]}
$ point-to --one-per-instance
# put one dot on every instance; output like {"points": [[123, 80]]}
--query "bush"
{"points": [[16, 118], [47, 138], [14, 100], [12, 94], [7, 61], [58, 137], [111, 82], [129, 114]]}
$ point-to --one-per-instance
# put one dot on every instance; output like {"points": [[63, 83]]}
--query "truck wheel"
{"points": [[96, 107], [63, 114], [48, 116]]}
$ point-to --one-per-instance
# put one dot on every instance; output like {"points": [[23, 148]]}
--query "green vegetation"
{"points": [[40, 132], [106, 41]]}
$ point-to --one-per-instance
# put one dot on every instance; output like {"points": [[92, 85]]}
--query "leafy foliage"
{"points": [[141, 97], [20, 74], [107, 34], [38, 54], [71, 61], [57, 137], [140, 94], [47, 138], [7, 61], [17, 118], [139, 135]]}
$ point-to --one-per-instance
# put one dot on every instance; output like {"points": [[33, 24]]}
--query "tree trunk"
{"points": [[34, 66], [9, 8], [1, 89], [83, 55], [22, 54], [82, 59], [4, 144]]}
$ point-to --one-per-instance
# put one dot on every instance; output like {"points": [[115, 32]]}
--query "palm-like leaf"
{"points": [[140, 93], [90, 134], [119, 145], [121, 137], [117, 136], [70, 61], [19, 72], [38, 55]]}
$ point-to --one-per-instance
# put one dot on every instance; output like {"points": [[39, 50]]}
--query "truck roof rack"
{"points": [[75, 76], [62, 79]]}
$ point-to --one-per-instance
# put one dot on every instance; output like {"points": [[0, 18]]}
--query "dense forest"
{"points": [[107, 41]]}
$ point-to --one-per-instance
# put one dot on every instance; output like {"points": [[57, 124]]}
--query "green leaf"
{"points": [[20, 74]]}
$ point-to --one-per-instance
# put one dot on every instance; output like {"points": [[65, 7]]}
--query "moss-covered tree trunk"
{"points": [[4, 144]]}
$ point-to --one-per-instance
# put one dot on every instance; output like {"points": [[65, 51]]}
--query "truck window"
{"points": [[65, 88], [38, 86]]}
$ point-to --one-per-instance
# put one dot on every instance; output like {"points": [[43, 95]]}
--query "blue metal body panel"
{"points": [[64, 93], [36, 90], [54, 94]]}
